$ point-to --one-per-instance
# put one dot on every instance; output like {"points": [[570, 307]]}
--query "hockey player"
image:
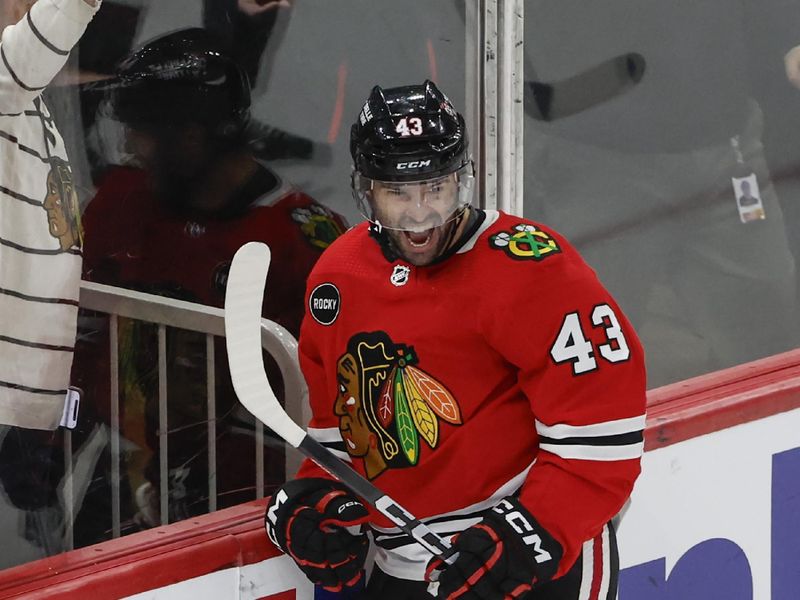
{"points": [[39, 230], [472, 366]]}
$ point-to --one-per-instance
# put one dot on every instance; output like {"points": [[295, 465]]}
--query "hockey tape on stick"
{"points": [[548, 101], [243, 299]]}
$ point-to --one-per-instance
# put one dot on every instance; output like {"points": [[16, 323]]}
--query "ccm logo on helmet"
{"points": [[414, 164]]}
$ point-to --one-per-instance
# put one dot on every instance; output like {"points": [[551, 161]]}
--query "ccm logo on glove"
{"points": [[522, 526]]}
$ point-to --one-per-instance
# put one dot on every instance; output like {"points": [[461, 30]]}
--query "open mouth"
{"points": [[419, 239]]}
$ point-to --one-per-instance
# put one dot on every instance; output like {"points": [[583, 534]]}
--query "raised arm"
{"points": [[34, 50]]}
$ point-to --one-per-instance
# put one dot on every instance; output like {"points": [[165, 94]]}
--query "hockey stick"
{"points": [[598, 84], [243, 299]]}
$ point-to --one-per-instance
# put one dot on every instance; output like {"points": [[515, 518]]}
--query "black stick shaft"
{"points": [[396, 513]]}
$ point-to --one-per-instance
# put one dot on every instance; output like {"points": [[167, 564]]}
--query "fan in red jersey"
{"points": [[471, 365], [170, 224]]}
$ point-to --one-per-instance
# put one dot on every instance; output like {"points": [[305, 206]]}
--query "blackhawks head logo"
{"points": [[318, 224], [386, 404], [61, 206]]}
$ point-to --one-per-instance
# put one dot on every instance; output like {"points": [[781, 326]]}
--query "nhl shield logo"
{"points": [[400, 275]]}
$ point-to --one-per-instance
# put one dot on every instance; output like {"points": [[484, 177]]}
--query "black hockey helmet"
{"points": [[410, 136], [408, 133], [180, 77]]}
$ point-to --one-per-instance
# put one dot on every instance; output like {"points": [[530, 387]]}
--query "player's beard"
{"points": [[421, 248]]}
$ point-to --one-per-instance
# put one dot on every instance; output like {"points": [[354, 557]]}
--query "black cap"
{"points": [[181, 76]]}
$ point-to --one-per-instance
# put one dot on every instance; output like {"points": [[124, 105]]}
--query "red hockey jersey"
{"points": [[505, 369], [135, 241]]}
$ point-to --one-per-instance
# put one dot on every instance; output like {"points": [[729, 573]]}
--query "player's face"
{"points": [[415, 215], [177, 159]]}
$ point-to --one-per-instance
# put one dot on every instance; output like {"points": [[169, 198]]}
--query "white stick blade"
{"points": [[243, 299]]}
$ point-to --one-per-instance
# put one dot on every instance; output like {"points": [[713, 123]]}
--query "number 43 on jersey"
{"points": [[572, 346]]}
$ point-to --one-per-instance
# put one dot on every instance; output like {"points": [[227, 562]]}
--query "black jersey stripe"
{"points": [[14, 75], [15, 140], [25, 388], [42, 299], [37, 345], [335, 446], [22, 197], [45, 42], [10, 244], [622, 439]]}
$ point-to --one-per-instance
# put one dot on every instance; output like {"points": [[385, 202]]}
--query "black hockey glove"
{"points": [[306, 518], [501, 557]]}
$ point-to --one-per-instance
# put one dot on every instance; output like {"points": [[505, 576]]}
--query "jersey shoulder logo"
{"points": [[525, 242], [386, 403], [324, 303], [318, 224]]}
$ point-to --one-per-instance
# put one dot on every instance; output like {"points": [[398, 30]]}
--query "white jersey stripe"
{"points": [[605, 573], [621, 426], [603, 453], [329, 434], [587, 570], [343, 456], [327, 437], [588, 567]]}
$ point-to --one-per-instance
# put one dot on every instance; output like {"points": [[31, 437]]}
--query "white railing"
{"points": [[167, 312]]}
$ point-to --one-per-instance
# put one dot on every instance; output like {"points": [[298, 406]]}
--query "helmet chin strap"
{"points": [[388, 248]]}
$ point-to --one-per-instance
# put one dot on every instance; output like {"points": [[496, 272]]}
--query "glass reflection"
{"points": [[652, 131], [136, 164]]}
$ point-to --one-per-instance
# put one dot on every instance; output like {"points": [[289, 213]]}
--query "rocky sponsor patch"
{"points": [[324, 303]]}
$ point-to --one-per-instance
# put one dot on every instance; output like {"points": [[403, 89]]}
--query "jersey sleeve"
{"points": [[581, 366], [298, 230], [324, 425], [35, 49]]}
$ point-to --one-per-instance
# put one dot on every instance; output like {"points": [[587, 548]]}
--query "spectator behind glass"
{"points": [[170, 224], [39, 223], [646, 184], [249, 31], [40, 266]]}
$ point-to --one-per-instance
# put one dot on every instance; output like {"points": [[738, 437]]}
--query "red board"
{"points": [[235, 536]]}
